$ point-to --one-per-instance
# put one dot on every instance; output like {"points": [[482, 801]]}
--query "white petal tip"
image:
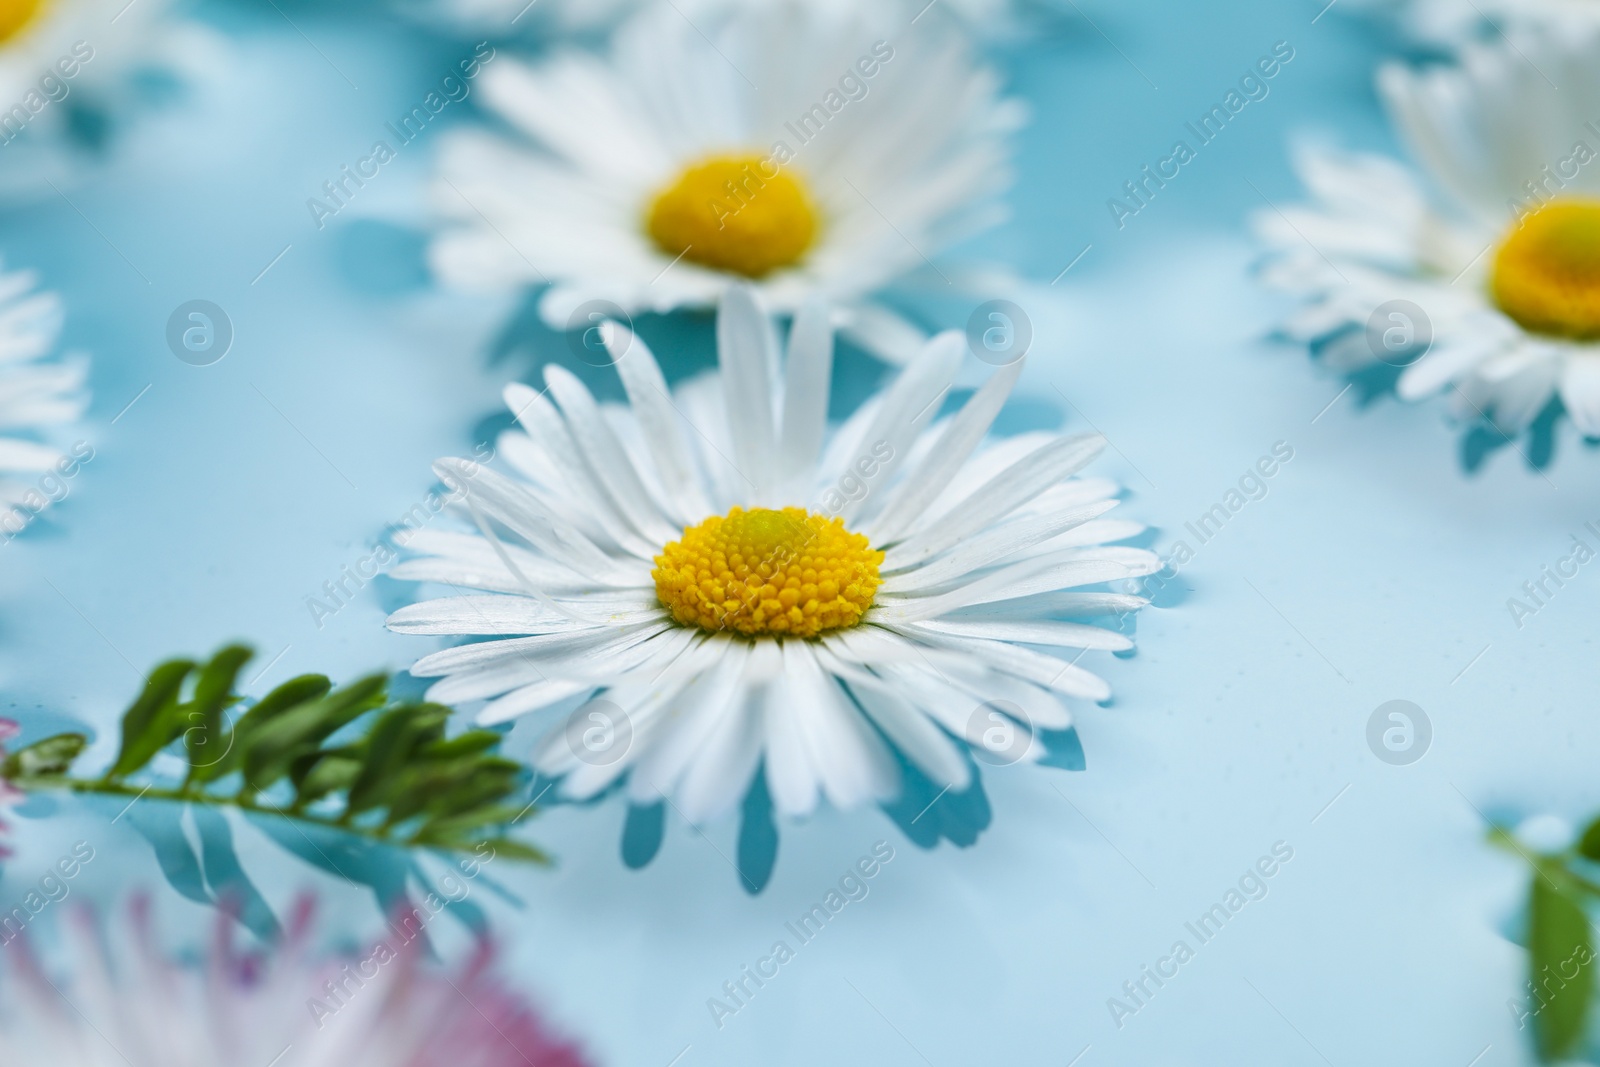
{"points": [[487, 717], [451, 466], [516, 396]]}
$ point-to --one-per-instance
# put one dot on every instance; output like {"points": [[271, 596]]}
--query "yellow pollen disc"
{"points": [[1547, 271], [742, 214], [18, 15], [764, 572]]}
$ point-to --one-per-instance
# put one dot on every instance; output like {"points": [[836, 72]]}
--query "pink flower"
{"points": [[385, 1006], [9, 794]]}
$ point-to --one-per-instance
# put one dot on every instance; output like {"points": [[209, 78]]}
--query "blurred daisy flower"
{"points": [[655, 176], [127, 1003], [1453, 23], [70, 69], [37, 393], [502, 17], [709, 581], [1480, 278]]}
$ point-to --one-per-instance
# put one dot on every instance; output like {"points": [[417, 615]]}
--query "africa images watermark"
{"points": [[1251, 886], [339, 592], [852, 886], [1540, 992], [340, 190], [53, 888], [853, 86], [854, 484], [52, 487], [1553, 577], [1253, 86], [52, 89], [339, 992], [1252, 486], [1549, 183]]}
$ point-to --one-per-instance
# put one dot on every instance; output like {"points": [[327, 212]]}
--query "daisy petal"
{"points": [[1061, 634], [722, 771], [605, 456], [747, 352], [990, 547], [658, 420], [1030, 666], [1580, 391], [805, 398], [924, 744], [588, 506], [851, 760], [506, 502], [791, 775], [910, 402], [531, 697], [1007, 583], [923, 485], [695, 717], [1025, 479]]}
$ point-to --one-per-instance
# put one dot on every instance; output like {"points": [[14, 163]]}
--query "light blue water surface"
{"points": [[1373, 569]]}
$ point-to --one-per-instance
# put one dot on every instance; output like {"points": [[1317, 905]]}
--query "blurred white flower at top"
{"points": [[1485, 270], [384, 1007], [67, 78], [38, 394], [656, 175], [503, 17], [1453, 23]]}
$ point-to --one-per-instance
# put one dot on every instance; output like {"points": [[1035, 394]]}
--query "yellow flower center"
{"points": [[1547, 271], [764, 572], [735, 213], [18, 15]]}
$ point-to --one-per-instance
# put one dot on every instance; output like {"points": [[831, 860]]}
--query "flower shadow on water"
{"points": [[1481, 438], [925, 812], [213, 875]]}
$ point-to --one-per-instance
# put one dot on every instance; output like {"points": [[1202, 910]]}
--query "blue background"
{"points": [[1374, 569]]}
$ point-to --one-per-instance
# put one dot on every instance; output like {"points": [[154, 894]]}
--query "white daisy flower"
{"points": [[36, 394], [47, 38], [659, 174], [291, 1007], [717, 582], [66, 69], [1482, 278]]}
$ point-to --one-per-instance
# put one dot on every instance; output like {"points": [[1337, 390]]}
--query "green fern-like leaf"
{"points": [[343, 758]]}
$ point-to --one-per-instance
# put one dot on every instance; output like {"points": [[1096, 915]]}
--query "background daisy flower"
{"points": [[707, 581], [1480, 278], [807, 150], [36, 393], [381, 1007], [68, 76], [1453, 23], [580, 16]]}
